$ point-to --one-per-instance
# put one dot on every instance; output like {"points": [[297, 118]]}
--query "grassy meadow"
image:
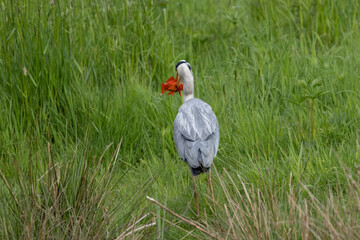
{"points": [[85, 135]]}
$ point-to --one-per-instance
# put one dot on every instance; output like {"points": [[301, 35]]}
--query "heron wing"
{"points": [[196, 133]]}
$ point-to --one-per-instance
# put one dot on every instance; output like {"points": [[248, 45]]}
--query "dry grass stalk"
{"points": [[181, 218], [182, 229], [251, 214]]}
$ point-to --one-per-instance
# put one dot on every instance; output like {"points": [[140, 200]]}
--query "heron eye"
{"points": [[189, 67]]}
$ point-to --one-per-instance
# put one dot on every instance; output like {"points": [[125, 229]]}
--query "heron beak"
{"points": [[177, 79]]}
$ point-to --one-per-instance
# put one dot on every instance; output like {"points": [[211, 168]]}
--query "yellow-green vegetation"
{"points": [[85, 135]]}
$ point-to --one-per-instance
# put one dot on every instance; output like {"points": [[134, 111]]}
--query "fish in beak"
{"points": [[172, 85]]}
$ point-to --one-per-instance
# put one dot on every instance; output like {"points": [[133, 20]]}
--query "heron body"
{"points": [[196, 135], [196, 130]]}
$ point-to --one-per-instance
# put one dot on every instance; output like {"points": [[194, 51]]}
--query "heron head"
{"points": [[182, 68]]}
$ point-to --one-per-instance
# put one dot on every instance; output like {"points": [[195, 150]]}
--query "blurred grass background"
{"points": [[80, 77]]}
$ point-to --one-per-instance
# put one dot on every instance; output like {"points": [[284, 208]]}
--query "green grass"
{"points": [[77, 78]]}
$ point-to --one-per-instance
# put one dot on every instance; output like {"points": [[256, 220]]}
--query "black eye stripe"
{"points": [[181, 62]]}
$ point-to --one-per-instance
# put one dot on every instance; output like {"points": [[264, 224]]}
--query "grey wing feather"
{"points": [[196, 133]]}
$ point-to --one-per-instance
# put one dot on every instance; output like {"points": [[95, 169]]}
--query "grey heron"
{"points": [[196, 130]]}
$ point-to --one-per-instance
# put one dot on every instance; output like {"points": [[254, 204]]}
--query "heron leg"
{"points": [[197, 199], [211, 190]]}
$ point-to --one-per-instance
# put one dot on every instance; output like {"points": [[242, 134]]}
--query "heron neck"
{"points": [[188, 90]]}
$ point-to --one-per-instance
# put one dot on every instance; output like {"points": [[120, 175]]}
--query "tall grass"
{"points": [[281, 75], [55, 201]]}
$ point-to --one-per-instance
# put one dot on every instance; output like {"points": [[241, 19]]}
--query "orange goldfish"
{"points": [[172, 85]]}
